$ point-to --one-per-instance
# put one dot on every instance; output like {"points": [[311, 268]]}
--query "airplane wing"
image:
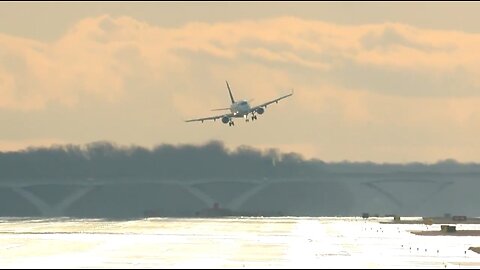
{"points": [[271, 101], [214, 118]]}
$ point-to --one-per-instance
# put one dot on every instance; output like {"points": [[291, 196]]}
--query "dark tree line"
{"points": [[211, 160], [107, 160]]}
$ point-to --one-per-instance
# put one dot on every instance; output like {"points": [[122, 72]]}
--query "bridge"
{"points": [[384, 192]]}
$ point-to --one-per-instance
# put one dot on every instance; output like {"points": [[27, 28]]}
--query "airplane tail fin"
{"points": [[230, 92]]}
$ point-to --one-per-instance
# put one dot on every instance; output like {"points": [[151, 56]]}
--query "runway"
{"points": [[281, 242]]}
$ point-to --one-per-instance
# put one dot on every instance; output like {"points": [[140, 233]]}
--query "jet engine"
{"points": [[225, 119], [259, 110]]}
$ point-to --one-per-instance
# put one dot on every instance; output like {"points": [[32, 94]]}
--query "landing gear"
{"points": [[231, 123], [254, 117]]}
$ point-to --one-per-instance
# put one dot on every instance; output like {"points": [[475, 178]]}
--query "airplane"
{"points": [[239, 109]]}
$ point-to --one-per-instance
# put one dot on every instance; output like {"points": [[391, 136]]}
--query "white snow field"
{"points": [[280, 242]]}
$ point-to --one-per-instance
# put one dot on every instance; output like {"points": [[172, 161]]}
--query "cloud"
{"points": [[382, 81], [95, 56]]}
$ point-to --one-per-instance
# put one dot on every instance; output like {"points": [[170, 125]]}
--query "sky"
{"points": [[387, 82]]}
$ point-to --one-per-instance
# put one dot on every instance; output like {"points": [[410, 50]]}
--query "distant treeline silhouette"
{"points": [[169, 162]]}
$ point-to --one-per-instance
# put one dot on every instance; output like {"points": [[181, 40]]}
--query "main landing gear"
{"points": [[231, 123], [254, 117]]}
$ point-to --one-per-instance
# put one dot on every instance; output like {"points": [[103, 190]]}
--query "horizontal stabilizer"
{"points": [[221, 109]]}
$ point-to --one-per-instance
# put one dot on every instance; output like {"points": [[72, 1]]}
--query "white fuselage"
{"points": [[240, 108]]}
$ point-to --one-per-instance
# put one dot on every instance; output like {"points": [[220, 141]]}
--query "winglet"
{"points": [[230, 92]]}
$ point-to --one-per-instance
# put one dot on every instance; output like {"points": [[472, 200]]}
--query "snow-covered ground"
{"points": [[291, 242]]}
